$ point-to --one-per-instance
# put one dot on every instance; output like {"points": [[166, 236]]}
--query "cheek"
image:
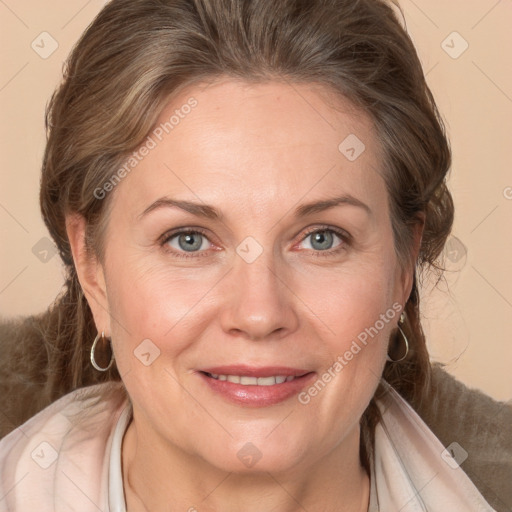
{"points": [[155, 303], [350, 299], [358, 312], [153, 325]]}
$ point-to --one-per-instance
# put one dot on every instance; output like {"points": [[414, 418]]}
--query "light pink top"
{"points": [[68, 458]]}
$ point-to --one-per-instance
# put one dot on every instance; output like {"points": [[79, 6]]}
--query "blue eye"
{"points": [[193, 243], [322, 241], [190, 241]]}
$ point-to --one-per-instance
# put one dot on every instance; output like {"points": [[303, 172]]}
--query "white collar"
{"points": [[116, 500]]}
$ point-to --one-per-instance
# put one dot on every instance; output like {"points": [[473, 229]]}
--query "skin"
{"points": [[254, 152]]}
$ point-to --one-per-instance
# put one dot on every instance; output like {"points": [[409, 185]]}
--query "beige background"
{"points": [[468, 321]]}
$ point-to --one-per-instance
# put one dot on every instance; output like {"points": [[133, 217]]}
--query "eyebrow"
{"points": [[210, 212]]}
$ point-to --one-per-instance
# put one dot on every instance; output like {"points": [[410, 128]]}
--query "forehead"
{"points": [[265, 143]]}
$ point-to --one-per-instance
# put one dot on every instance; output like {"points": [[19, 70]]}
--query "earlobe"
{"points": [[89, 270]]}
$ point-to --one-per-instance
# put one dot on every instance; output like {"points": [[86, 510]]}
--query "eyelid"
{"points": [[180, 231]]}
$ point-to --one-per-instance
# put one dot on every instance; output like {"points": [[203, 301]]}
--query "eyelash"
{"points": [[343, 235]]}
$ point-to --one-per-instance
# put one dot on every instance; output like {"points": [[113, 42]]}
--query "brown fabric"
{"points": [[22, 389], [455, 413], [481, 426]]}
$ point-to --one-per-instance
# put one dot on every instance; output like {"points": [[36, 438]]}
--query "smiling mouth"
{"points": [[268, 387], [245, 380]]}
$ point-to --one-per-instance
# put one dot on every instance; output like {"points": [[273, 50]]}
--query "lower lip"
{"points": [[257, 396]]}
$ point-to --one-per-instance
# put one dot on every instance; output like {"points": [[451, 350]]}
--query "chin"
{"points": [[253, 457]]}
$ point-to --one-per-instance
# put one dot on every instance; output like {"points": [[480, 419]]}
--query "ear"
{"points": [[90, 272], [408, 274]]}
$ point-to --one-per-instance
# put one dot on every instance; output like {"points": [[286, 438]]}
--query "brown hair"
{"points": [[137, 53]]}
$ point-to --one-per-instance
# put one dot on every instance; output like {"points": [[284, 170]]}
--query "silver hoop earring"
{"points": [[402, 320], [93, 361]]}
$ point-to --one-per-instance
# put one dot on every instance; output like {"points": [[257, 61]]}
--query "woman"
{"points": [[242, 193]]}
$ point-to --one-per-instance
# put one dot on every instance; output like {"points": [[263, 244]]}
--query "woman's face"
{"points": [[269, 285]]}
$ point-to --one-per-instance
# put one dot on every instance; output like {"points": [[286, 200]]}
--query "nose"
{"points": [[259, 304]]}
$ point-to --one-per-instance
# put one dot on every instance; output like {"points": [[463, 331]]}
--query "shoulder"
{"points": [[48, 461], [408, 456], [476, 425]]}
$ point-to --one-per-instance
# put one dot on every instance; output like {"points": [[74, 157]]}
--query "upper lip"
{"points": [[254, 371]]}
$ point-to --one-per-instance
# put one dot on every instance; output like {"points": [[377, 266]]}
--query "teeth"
{"points": [[249, 381], [253, 381], [266, 381]]}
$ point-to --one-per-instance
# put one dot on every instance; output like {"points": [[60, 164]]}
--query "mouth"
{"points": [[256, 387], [245, 380]]}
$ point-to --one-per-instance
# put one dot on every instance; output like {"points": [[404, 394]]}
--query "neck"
{"points": [[158, 475]]}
